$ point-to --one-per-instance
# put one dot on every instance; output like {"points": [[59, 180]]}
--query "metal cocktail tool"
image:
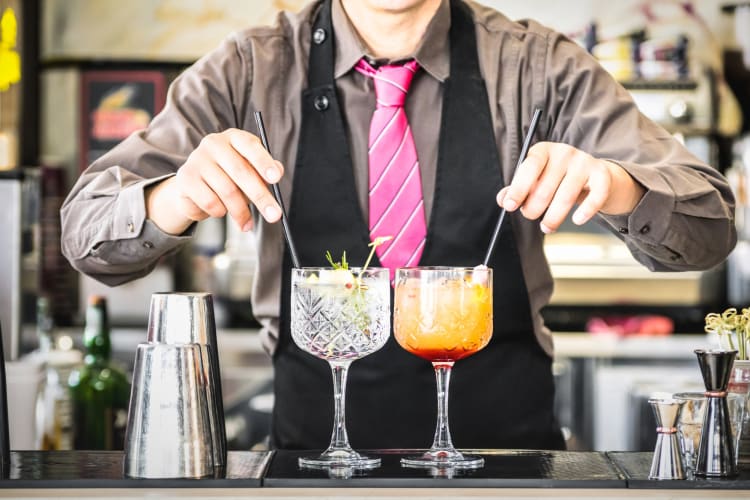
{"points": [[176, 419], [4, 437], [667, 461], [168, 433], [716, 450]]}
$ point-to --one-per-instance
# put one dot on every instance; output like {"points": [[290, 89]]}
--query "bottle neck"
{"points": [[96, 334]]}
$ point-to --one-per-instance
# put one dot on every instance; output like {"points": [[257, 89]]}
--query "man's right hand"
{"points": [[224, 174]]}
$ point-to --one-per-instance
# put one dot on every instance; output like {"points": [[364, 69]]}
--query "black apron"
{"points": [[501, 397]]}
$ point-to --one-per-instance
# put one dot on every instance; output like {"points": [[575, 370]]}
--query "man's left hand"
{"points": [[555, 176]]}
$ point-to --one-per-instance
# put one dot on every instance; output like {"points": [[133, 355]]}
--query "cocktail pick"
{"points": [[521, 157]]}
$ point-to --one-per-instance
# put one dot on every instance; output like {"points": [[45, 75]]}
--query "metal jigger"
{"points": [[716, 449], [667, 461]]}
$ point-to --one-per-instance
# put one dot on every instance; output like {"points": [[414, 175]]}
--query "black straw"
{"points": [[277, 195], [521, 158]]}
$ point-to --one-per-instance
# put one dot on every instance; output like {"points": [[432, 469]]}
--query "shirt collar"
{"points": [[433, 51]]}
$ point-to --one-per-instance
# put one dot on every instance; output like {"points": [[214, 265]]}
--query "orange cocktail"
{"points": [[443, 314], [444, 320]]}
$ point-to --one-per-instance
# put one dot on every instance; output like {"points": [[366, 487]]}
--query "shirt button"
{"points": [[623, 230], [321, 103], [645, 229], [148, 244], [131, 227], [319, 36]]}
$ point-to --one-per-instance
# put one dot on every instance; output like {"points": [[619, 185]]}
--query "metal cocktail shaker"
{"points": [[168, 433], [176, 401], [716, 457]]}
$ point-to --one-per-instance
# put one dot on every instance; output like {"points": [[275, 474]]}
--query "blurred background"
{"points": [[77, 76]]}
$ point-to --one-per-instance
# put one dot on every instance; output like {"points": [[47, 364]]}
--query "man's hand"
{"points": [[554, 177], [224, 174]]}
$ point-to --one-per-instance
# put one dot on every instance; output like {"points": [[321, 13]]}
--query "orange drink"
{"points": [[445, 320], [443, 314]]}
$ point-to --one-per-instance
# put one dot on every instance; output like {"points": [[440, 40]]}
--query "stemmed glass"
{"points": [[340, 316], [443, 314]]}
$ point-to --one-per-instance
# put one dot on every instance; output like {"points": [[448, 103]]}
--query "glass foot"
{"points": [[339, 458], [444, 458]]}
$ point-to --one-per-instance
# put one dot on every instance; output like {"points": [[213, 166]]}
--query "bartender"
{"points": [[416, 110]]}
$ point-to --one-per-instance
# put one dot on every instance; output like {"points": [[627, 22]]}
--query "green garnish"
{"points": [[343, 264], [361, 318]]}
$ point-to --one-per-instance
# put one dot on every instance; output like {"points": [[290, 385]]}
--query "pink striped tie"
{"points": [[396, 204]]}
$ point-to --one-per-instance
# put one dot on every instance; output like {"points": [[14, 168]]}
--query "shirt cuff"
{"points": [[651, 218], [130, 209]]}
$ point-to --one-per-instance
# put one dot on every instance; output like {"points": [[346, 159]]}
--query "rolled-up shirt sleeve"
{"points": [[105, 232], [685, 220]]}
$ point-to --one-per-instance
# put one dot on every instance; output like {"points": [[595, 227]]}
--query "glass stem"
{"points": [[442, 439], [339, 439]]}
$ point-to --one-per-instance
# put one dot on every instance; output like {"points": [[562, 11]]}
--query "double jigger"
{"points": [[176, 416]]}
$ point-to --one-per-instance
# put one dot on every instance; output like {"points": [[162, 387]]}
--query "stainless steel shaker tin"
{"points": [[179, 320], [168, 419]]}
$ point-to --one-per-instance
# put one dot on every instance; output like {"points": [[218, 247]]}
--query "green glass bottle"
{"points": [[99, 389]]}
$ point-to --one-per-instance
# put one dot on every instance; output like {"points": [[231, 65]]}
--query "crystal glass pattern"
{"points": [[340, 316]]}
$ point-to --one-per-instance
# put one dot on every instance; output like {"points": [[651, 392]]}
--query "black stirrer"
{"points": [[277, 195], [521, 157]]}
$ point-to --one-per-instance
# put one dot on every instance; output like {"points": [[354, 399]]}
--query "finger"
{"points": [[200, 193], [246, 177], [187, 207], [501, 196], [566, 196], [230, 195], [599, 187], [526, 176], [250, 147], [544, 190]]}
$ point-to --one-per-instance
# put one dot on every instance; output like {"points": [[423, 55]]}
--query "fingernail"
{"points": [[248, 226], [272, 175], [510, 204], [545, 229], [579, 217], [272, 213]]}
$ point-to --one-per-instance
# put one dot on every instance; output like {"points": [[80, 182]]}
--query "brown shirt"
{"points": [[687, 204]]}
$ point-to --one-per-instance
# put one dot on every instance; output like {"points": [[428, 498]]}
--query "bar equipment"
{"points": [[667, 461], [176, 418], [188, 318], [690, 424], [4, 437], [716, 451], [168, 432], [19, 197]]}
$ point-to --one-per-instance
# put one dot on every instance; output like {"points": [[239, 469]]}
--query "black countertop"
{"points": [[635, 466], [503, 469]]}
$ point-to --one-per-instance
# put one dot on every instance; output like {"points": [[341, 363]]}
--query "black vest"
{"points": [[500, 397]]}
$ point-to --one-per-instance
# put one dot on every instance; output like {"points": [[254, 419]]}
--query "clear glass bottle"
{"points": [[100, 389], [54, 410]]}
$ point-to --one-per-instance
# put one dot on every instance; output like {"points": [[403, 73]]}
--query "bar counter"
{"points": [[248, 475]]}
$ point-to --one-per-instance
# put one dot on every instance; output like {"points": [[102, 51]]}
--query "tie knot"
{"points": [[392, 81]]}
